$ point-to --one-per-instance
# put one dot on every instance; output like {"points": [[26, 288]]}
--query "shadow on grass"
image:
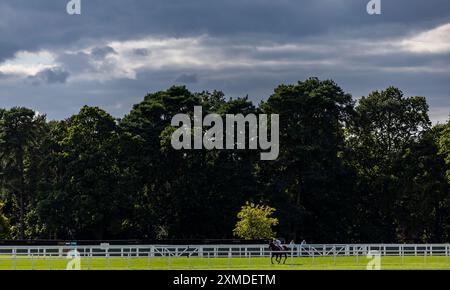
{"points": [[288, 264]]}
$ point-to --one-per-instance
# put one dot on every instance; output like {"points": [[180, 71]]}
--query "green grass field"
{"points": [[318, 263]]}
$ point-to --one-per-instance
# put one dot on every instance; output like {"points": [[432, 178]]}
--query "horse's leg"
{"points": [[271, 259], [285, 258], [280, 258]]}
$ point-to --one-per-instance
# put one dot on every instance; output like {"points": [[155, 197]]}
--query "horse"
{"points": [[278, 253]]}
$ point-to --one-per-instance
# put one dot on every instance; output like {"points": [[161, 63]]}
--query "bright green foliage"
{"points": [[255, 222]]}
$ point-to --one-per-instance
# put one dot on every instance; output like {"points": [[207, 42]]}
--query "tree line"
{"points": [[372, 170]]}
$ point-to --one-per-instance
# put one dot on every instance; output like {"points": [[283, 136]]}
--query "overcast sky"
{"points": [[117, 51]]}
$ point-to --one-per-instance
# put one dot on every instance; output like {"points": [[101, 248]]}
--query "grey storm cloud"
{"points": [[282, 19], [6, 50], [173, 17], [187, 79], [50, 76], [4, 76], [141, 52], [240, 47], [102, 52], [77, 62]]}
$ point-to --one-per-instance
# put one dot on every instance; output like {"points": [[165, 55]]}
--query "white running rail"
{"points": [[217, 251]]}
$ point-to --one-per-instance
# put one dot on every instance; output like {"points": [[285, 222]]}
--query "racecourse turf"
{"points": [[196, 263]]}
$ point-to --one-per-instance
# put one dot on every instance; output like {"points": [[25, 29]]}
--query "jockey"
{"points": [[277, 243]]}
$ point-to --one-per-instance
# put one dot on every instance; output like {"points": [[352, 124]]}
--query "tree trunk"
{"points": [[21, 196], [21, 217]]}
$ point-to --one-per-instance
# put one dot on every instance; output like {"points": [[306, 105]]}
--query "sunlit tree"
{"points": [[255, 222]]}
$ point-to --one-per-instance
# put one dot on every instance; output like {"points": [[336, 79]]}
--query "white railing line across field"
{"points": [[313, 250]]}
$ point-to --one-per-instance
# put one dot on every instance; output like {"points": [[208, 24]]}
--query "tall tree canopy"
{"points": [[375, 170], [305, 182], [21, 134], [86, 198]]}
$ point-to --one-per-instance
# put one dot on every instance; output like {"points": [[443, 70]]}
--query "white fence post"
{"points": [[15, 259], [403, 255], [209, 261], [446, 254], [334, 255], [149, 263], [425, 255]]}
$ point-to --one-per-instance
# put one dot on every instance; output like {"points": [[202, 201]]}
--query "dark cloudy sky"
{"points": [[119, 50]]}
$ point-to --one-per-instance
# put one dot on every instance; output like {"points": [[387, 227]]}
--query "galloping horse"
{"points": [[278, 253]]}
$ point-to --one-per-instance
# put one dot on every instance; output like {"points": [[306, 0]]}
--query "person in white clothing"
{"points": [[292, 245], [278, 243]]}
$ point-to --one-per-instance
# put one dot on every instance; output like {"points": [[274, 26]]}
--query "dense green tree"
{"points": [[202, 185], [5, 227], [421, 194], [384, 128], [21, 133], [306, 182], [444, 145], [86, 199], [372, 171]]}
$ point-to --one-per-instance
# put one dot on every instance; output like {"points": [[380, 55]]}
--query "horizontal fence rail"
{"points": [[227, 250], [127, 253]]}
